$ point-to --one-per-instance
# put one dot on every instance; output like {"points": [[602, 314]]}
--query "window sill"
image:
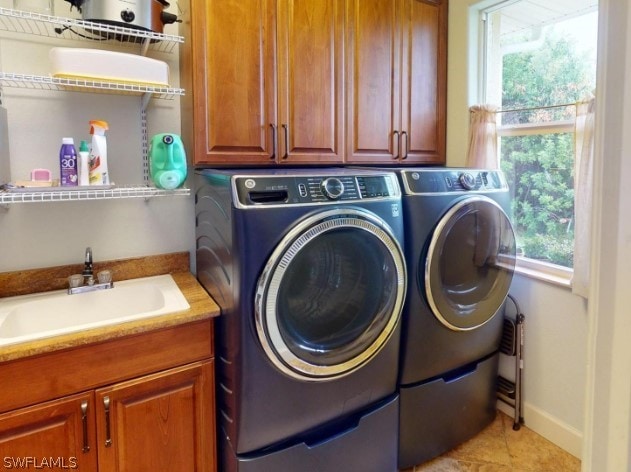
{"points": [[544, 271]]}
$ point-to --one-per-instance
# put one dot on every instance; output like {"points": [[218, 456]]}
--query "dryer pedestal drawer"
{"points": [[441, 414]]}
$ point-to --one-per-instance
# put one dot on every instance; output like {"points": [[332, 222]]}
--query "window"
{"points": [[540, 59]]}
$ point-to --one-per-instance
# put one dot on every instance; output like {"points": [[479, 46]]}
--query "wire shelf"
{"points": [[39, 196], [38, 82], [74, 29], [69, 28]]}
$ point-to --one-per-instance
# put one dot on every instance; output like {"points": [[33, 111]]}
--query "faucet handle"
{"points": [[75, 280], [104, 276]]}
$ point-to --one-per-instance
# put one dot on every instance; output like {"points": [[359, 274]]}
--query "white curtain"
{"points": [[482, 152], [583, 191]]}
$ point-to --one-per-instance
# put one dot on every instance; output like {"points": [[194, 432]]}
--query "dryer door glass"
{"points": [[470, 263], [331, 295]]}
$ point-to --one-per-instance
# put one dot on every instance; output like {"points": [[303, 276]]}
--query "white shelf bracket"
{"points": [[144, 139], [146, 98], [3, 207], [145, 46]]}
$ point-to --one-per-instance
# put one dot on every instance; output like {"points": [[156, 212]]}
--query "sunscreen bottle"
{"points": [[98, 154], [68, 163]]}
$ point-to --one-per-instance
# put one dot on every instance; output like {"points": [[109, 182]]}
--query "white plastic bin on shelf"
{"points": [[95, 64]]}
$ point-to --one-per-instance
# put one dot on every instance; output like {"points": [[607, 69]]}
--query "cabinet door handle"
{"points": [[273, 156], [404, 135], [286, 128], [397, 140], [84, 422], [108, 432]]}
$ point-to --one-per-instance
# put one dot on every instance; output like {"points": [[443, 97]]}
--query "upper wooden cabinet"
{"points": [[229, 60], [267, 81], [310, 81], [314, 82], [396, 76]]}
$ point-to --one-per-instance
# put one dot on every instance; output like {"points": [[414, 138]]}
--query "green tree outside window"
{"points": [[540, 167]]}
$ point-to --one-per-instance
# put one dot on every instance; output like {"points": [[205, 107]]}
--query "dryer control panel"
{"points": [[424, 181], [309, 189]]}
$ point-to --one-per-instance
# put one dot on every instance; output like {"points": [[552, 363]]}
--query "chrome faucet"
{"points": [[84, 282], [88, 272]]}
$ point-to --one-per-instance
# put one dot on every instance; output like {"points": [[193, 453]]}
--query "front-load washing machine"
{"points": [[460, 254], [308, 269]]}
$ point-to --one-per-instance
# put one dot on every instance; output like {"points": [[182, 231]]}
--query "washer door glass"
{"points": [[330, 295], [470, 263]]}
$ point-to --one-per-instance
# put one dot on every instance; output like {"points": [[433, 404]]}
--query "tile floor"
{"points": [[500, 449]]}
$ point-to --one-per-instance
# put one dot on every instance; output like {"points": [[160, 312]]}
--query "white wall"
{"points": [[48, 234], [608, 410], [556, 329]]}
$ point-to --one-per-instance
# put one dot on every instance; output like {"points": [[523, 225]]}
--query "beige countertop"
{"points": [[202, 306]]}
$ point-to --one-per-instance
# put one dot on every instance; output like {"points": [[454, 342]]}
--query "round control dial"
{"points": [[332, 188], [467, 180], [128, 16]]}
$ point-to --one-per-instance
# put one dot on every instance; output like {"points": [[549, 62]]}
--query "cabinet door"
{"points": [[231, 59], [424, 65], [163, 421], [373, 80], [310, 81], [59, 434]]}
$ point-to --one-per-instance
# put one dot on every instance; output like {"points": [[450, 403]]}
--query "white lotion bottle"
{"points": [[84, 164]]}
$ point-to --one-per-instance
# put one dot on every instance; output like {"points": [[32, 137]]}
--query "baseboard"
{"points": [[551, 428]]}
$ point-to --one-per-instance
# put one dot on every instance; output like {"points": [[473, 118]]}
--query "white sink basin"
{"points": [[43, 315]]}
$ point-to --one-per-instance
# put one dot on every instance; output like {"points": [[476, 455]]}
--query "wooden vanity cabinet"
{"points": [[138, 403], [60, 430], [396, 79], [158, 422], [267, 80]]}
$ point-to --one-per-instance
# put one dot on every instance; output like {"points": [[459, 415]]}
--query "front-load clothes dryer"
{"points": [[308, 269], [460, 253]]}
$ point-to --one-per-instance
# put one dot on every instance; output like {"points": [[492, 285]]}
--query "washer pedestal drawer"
{"points": [[365, 442]]}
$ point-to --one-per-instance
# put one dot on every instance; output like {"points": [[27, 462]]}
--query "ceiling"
{"points": [[526, 14]]}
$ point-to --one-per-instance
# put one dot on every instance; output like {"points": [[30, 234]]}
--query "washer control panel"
{"points": [[418, 181], [306, 189]]}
